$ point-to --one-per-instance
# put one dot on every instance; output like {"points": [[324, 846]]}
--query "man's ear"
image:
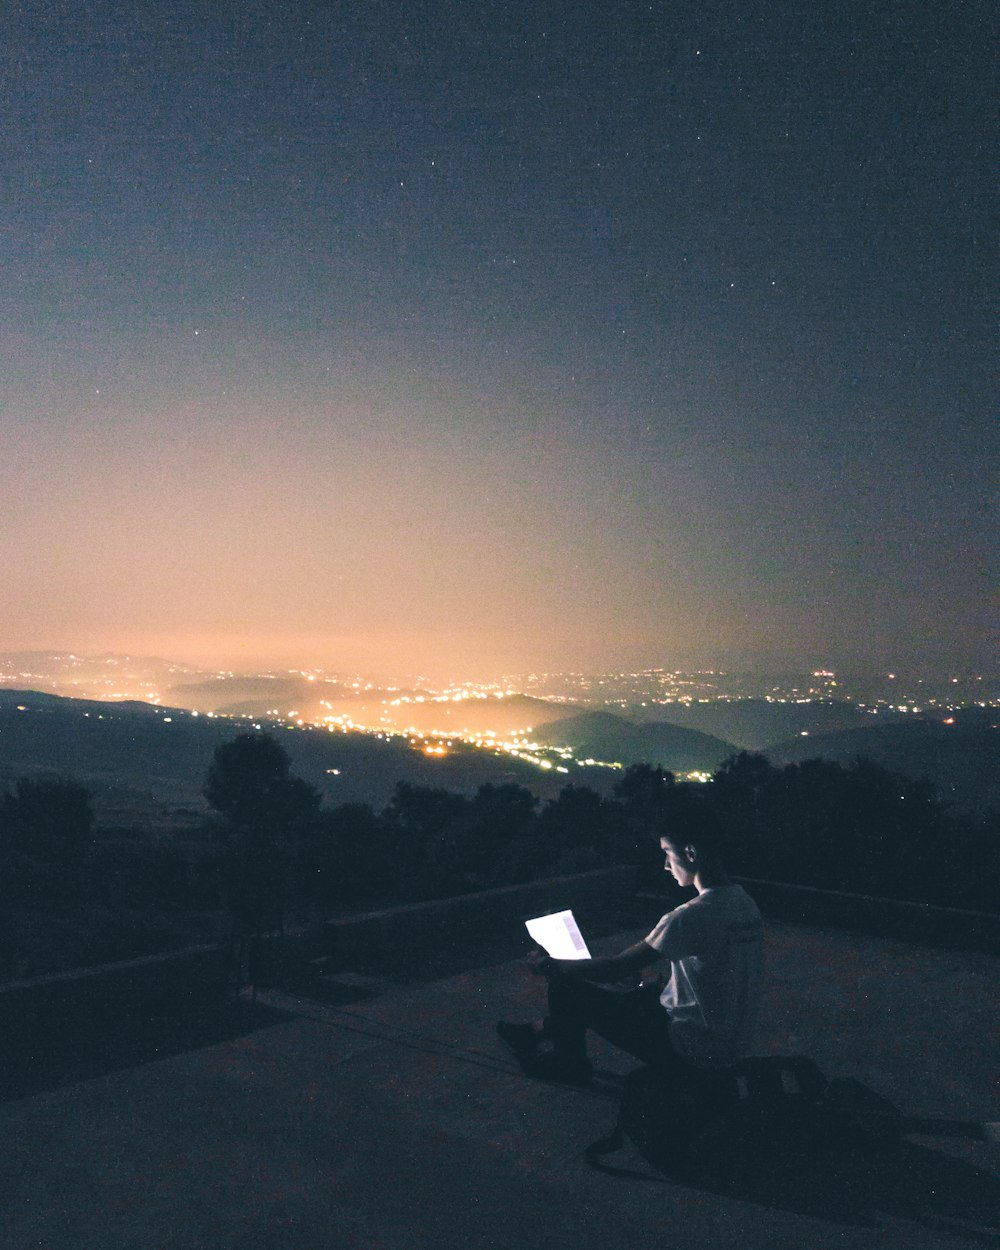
{"points": [[691, 854]]}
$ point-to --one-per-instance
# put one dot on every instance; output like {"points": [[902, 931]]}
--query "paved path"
{"points": [[395, 1122]]}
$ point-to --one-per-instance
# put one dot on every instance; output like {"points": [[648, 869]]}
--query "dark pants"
{"points": [[633, 1021]]}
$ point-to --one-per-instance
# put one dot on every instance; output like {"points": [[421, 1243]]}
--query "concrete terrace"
{"points": [[383, 1114]]}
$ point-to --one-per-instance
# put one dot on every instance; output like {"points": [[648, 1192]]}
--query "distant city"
{"points": [[519, 715], [905, 692]]}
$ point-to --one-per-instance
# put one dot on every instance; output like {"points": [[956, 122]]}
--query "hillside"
{"points": [[962, 759], [604, 736], [753, 724], [494, 714], [397, 710], [147, 765]]}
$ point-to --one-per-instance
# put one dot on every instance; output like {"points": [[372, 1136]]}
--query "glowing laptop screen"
{"points": [[559, 934]]}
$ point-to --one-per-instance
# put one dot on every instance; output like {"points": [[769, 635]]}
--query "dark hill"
{"points": [[37, 700], [961, 759], [604, 736], [143, 763], [752, 724]]}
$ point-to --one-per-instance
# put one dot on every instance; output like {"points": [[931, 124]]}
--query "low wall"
{"points": [[884, 917], [606, 900], [485, 925], [602, 898], [37, 1011]]}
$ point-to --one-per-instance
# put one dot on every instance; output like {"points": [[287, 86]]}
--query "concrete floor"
{"points": [[396, 1121]]}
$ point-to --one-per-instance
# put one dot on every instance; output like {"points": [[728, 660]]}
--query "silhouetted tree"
{"points": [[249, 782], [466, 852], [48, 812], [743, 781], [415, 816], [643, 788], [571, 827], [46, 837], [250, 785], [747, 787], [860, 827], [347, 856], [642, 795]]}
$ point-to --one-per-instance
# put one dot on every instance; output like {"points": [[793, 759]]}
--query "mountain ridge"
{"points": [[608, 736]]}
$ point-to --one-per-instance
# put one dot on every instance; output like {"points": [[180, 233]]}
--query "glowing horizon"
{"points": [[500, 374]]}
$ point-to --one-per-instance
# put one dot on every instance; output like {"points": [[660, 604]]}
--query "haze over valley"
{"points": [[141, 731]]}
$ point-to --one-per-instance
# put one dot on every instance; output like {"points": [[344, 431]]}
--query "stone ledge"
{"points": [[599, 898], [486, 925], [924, 923], [38, 1010]]}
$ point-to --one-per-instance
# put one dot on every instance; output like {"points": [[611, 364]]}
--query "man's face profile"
{"points": [[678, 862]]}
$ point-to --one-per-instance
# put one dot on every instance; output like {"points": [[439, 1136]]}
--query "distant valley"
{"points": [[147, 765], [144, 734]]}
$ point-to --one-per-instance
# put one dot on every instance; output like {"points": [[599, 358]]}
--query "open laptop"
{"points": [[559, 934]]}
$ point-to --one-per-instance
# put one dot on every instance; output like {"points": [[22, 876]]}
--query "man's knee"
{"points": [[568, 997], [561, 993]]}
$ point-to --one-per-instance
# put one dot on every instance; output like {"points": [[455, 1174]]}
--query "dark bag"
{"points": [[767, 1124]]}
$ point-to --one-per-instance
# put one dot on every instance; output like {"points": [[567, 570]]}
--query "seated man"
{"points": [[704, 1015]]}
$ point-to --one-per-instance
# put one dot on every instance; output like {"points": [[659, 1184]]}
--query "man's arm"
{"points": [[622, 967]]}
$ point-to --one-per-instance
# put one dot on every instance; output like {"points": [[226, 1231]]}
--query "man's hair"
{"points": [[692, 818]]}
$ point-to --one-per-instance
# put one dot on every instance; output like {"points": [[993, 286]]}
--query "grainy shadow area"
{"points": [[941, 1192], [96, 1048], [420, 965], [913, 1182]]}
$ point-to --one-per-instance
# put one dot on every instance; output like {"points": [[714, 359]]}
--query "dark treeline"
{"points": [[272, 852], [857, 828]]}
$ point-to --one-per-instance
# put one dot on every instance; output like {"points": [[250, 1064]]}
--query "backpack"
{"points": [[774, 1129]]}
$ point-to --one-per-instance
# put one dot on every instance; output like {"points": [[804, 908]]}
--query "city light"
{"points": [[487, 716]]}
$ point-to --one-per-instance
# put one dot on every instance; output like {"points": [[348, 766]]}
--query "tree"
{"points": [[572, 826], [642, 796], [250, 784], [415, 817], [858, 827], [744, 781], [643, 790], [46, 838], [469, 851], [346, 856], [48, 813]]}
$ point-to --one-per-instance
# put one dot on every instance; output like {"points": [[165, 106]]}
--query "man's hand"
{"points": [[624, 967], [541, 962]]}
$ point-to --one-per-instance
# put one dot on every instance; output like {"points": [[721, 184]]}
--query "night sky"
{"points": [[463, 338]]}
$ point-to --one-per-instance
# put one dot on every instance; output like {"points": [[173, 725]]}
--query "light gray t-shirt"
{"points": [[715, 944]]}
